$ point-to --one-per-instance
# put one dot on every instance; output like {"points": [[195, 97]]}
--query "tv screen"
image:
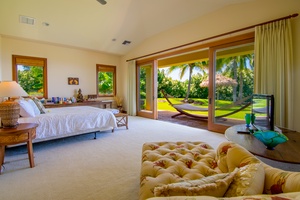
{"points": [[263, 108]]}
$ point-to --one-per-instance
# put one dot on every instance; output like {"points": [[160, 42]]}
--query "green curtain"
{"points": [[131, 95], [273, 71]]}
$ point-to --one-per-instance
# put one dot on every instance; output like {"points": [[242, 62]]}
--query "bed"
{"points": [[68, 121]]}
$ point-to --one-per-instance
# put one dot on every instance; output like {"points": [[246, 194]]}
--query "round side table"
{"points": [[24, 132], [286, 152]]}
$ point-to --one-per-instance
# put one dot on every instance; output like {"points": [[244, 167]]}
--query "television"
{"points": [[263, 109]]}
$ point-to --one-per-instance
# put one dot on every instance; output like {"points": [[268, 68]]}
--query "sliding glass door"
{"points": [[147, 89], [232, 84]]}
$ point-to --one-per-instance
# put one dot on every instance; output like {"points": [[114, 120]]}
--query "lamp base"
{"points": [[9, 113]]}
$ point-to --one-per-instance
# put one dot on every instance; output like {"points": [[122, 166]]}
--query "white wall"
{"points": [[62, 62], [224, 20]]}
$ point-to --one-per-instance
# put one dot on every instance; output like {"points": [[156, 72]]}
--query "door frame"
{"points": [[153, 114], [212, 126]]}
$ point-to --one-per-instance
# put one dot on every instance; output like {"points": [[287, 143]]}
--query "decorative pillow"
{"points": [[39, 105], [215, 185], [249, 180], [26, 109], [35, 108]]}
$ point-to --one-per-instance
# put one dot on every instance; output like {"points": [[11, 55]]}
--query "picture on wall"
{"points": [[73, 81]]}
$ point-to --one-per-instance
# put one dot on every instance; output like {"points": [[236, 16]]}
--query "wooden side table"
{"points": [[286, 152], [24, 132], [122, 119]]}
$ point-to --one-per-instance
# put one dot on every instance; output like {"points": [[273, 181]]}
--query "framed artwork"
{"points": [[73, 81]]}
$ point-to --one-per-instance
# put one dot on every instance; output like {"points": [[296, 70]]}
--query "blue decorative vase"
{"points": [[270, 138]]}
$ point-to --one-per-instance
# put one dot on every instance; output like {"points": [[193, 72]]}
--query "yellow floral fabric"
{"points": [[215, 185], [165, 163]]}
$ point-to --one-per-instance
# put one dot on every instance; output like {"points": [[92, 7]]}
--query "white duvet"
{"points": [[67, 121]]}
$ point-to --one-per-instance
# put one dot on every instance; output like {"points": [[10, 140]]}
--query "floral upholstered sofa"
{"points": [[194, 170]]}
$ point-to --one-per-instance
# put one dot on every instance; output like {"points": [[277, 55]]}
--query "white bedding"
{"points": [[67, 121]]}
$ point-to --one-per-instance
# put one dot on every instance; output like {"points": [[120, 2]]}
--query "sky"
{"points": [[175, 75]]}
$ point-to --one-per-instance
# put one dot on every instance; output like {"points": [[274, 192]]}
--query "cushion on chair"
{"points": [[215, 185], [249, 180]]}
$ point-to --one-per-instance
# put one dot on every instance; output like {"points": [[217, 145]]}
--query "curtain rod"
{"points": [[213, 37]]}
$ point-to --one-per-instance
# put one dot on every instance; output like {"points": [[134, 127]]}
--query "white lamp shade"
{"points": [[11, 89]]}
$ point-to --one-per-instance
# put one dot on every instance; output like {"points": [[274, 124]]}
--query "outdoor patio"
{"points": [[183, 119]]}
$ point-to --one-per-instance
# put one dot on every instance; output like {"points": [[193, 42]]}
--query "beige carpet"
{"points": [[81, 168]]}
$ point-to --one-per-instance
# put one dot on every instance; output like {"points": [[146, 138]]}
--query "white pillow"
{"points": [[26, 110], [34, 106]]}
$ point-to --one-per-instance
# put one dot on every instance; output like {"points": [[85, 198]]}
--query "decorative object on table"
{"points": [[73, 99], [79, 96], [248, 119], [270, 138], [92, 97], [10, 110], [73, 81], [119, 102]]}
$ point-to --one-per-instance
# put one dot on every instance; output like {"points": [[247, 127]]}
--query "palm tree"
{"points": [[189, 68], [236, 66]]}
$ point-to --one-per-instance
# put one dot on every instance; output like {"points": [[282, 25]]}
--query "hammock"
{"points": [[184, 107]]}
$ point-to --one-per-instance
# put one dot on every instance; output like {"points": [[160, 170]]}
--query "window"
{"points": [[106, 80], [31, 74]]}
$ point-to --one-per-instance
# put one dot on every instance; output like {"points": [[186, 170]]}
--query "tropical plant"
{"points": [[189, 68], [31, 79], [236, 67], [105, 82]]}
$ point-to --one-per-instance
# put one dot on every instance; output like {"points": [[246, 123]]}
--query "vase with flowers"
{"points": [[119, 102]]}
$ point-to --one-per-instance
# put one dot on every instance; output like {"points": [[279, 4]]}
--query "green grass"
{"points": [[164, 105]]}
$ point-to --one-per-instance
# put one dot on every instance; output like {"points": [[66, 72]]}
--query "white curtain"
{"points": [[131, 103], [273, 71]]}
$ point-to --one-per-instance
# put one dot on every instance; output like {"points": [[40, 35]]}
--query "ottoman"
{"points": [[171, 162]]}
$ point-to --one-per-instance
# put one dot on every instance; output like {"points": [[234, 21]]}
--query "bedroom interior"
{"points": [[79, 167]]}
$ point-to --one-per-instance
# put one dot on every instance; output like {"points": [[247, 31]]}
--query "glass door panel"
{"points": [[232, 85], [146, 90]]}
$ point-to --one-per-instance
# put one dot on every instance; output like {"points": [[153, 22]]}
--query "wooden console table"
{"points": [[98, 104], [286, 152], [24, 132]]}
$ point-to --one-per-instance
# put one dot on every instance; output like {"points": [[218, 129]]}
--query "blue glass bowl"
{"points": [[270, 138]]}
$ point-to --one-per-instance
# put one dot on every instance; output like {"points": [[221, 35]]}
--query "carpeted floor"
{"points": [[80, 167]]}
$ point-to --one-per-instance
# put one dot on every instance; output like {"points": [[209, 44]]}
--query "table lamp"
{"points": [[10, 110]]}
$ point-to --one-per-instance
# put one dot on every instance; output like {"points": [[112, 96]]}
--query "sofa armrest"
{"points": [[280, 181]]}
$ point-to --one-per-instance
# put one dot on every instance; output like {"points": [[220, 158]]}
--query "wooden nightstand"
{"points": [[24, 132]]}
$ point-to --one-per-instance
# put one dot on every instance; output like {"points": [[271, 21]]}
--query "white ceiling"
{"points": [[88, 24]]}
